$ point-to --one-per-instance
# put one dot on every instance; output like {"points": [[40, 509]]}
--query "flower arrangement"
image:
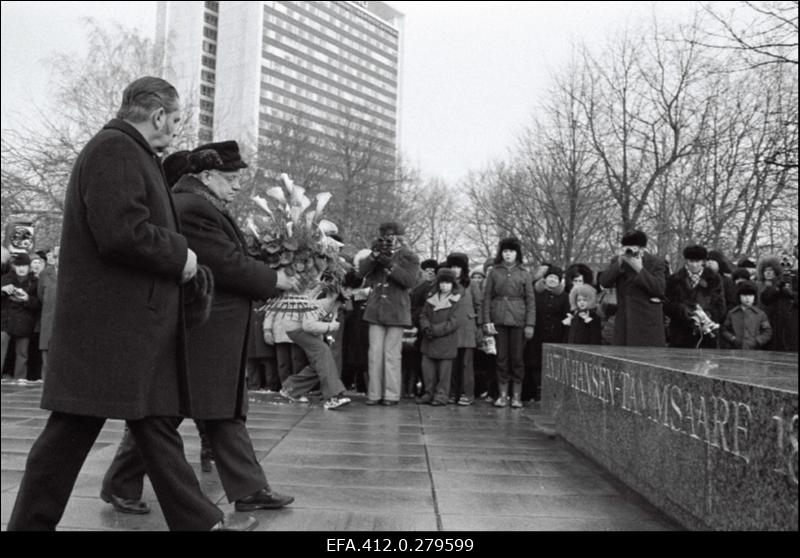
{"points": [[290, 235], [703, 324]]}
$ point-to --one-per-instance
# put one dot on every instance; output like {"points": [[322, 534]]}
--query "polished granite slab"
{"points": [[709, 437]]}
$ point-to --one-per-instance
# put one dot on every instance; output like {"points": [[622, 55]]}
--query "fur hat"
{"points": [[746, 262], [634, 238], [586, 291], [445, 274], [429, 264], [770, 261], [740, 273], [553, 270], [21, 259], [352, 279], [509, 243], [175, 165], [458, 259], [717, 256], [198, 296], [391, 227], [222, 156], [746, 287], [580, 269], [695, 252]]}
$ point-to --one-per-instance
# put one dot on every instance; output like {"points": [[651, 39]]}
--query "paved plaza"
{"points": [[360, 468]]}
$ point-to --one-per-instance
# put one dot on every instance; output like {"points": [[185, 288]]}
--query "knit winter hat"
{"points": [[695, 252], [746, 288], [634, 238]]}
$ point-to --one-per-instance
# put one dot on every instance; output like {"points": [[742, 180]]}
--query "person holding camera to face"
{"points": [[640, 279], [777, 296]]}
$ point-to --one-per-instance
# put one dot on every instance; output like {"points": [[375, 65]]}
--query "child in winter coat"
{"points": [[583, 321], [462, 389], [746, 326], [444, 313]]}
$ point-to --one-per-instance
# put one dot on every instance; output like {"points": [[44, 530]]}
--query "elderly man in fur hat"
{"points": [[391, 270], [694, 286], [640, 279]]}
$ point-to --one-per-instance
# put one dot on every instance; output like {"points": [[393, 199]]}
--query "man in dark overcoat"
{"points": [[217, 349], [692, 286], [640, 279], [117, 349]]}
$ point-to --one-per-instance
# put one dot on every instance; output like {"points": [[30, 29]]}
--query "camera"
{"points": [[632, 252]]}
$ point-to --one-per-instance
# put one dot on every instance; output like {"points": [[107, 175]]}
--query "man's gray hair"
{"points": [[145, 95]]}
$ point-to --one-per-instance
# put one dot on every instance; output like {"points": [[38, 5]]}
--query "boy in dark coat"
{"points": [[691, 287], [443, 315], [583, 321], [747, 326]]}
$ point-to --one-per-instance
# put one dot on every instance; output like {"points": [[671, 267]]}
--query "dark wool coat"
{"points": [[19, 318], [681, 298], [551, 308], [639, 319], [117, 349], [444, 324], [582, 333], [389, 302], [508, 298], [218, 348], [46, 291], [780, 305]]}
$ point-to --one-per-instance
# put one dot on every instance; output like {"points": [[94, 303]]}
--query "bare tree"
{"points": [[37, 159]]}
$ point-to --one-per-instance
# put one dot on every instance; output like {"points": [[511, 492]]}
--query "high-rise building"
{"points": [[249, 67]]}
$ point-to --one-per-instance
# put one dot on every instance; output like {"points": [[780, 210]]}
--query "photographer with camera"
{"points": [[640, 279], [391, 271], [777, 289], [20, 309]]}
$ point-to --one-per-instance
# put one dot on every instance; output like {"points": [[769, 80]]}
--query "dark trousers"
{"points": [[21, 347], [234, 456], [436, 376], [462, 381], [510, 347], [290, 358], [61, 449]]}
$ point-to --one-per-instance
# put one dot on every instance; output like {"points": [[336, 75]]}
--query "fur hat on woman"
{"points": [[429, 264], [586, 291], [510, 243], [461, 260], [695, 252], [770, 261], [553, 270], [391, 227]]}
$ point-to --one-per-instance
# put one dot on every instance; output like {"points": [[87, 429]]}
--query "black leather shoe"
{"points": [[264, 499], [125, 505], [389, 403], [234, 522]]}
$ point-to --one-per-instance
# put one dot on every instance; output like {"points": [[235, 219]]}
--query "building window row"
{"points": [[211, 19], [334, 12], [207, 106], [328, 116], [333, 56], [330, 100], [207, 120], [210, 48], [210, 33], [368, 88], [209, 62], [207, 76], [334, 28], [213, 6], [207, 91], [384, 105]]}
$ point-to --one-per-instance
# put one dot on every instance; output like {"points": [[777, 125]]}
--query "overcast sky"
{"points": [[474, 72]]}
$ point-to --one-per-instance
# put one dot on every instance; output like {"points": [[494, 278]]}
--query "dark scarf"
{"points": [[191, 185]]}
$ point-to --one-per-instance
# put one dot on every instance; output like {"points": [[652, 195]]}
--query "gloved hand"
{"points": [[528, 332], [427, 332], [384, 260]]}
